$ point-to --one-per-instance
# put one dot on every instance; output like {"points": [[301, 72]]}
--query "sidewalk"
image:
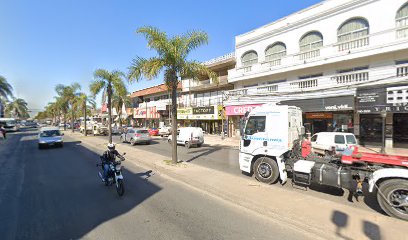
{"points": [[320, 218]]}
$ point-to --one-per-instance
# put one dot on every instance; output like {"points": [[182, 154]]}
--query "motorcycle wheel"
{"points": [[120, 187]]}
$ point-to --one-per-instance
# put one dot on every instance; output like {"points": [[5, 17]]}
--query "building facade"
{"points": [[202, 102], [344, 62]]}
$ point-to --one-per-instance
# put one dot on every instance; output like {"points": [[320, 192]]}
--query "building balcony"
{"points": [[377, 43], [335, 81], [208, 84]]}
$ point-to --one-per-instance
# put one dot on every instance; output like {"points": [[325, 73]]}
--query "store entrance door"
{"points": [[319, 125], [400, 128], [370, 129]]}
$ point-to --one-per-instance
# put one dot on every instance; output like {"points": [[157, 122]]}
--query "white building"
{"points": [[342, 61]]}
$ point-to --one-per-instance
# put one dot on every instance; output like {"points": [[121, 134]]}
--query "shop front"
{"points": [[235, 118], [383, 106], [146, 117], [326, 114], [210, 119]]}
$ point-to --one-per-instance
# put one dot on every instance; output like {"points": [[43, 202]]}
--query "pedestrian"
{"points": [[3, 132]]}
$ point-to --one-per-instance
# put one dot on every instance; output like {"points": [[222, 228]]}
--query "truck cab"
{"points": [[269, 132]]}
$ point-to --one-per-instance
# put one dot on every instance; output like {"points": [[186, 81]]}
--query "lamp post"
{"points": [[383, 116]]}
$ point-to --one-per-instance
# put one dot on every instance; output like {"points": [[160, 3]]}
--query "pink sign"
{"points": [[240, 110]]}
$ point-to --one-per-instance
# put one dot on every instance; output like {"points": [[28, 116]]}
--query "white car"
{"points": [[50, 136], [324, 142], [189, 136], [164, 131]]}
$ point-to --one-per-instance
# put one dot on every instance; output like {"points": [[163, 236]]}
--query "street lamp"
{"points": [[383, 116]]}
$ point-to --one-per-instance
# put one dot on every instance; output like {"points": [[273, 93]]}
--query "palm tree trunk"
{"points": [[174, 120], [72, 120], [110, 112], [85, 132]]}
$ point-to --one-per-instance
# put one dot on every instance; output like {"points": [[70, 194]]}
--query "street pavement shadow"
{"points": [[202, 152], [340, 220], [62, 196]]}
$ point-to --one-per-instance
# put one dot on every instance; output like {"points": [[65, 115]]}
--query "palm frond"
{"points": [[149, 68], [193, 70], [156, 39], [193, 40], [5, 88], [96, 86]]}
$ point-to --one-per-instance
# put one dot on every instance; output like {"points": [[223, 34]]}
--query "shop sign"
{"points": [[378, 99], [184, 111], [240, 110], [319, 115], [203, 110], [330, 104], [139, 113]]}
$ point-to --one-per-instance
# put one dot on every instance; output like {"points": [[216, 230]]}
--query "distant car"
{"points": [[136, 135], [154, 131], [324, 142], [50, 136], [189, 136], [164, 131]]}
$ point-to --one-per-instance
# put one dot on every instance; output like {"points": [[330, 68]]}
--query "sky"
{"points": [[48, 42]]}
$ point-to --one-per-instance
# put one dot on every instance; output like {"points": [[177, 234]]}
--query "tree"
{"points": [[17, 108], [68, 97], [118, 101], [108, 82], [84, 103], [5, 88], [172, 59]]}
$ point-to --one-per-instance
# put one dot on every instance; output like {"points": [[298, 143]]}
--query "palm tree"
{"points": [[5, 88], [108, 82], [84, 103], [69, 96], [172, 59], [17, 108], [117, 102]]}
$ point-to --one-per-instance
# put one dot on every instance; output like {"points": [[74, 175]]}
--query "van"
{"points": [[189, 136], [324, 142]]}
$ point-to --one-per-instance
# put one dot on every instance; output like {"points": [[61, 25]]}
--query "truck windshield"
{"points": [[255, 124]]}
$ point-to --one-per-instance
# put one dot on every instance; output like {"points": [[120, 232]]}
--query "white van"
{"points": [[324, 142], [189, 136]]}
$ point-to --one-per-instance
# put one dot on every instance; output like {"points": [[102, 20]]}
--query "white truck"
{"points": [[272, 146]]}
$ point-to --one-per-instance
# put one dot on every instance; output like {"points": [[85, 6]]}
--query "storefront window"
{"points": [[255, 125]]}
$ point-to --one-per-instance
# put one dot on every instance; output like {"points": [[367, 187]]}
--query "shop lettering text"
{"points": [[339, 107]]}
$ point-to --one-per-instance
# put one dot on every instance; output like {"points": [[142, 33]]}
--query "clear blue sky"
{"points": [[47, 42]]}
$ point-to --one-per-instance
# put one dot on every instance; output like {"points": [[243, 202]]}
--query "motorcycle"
{"points": [[114, 175]]}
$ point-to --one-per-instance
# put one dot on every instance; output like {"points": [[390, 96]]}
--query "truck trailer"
{"points": [[273, 147]]}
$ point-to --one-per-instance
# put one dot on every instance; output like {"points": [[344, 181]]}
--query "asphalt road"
{"points": [[55, 194], [226, 160]]}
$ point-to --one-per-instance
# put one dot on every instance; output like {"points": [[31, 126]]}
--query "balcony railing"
{"points": [[304, 84], [309, 54], [206, 84], [402, 70], [354, 43], [272, 63], [267, 88], [351, 77], [220, 59]]}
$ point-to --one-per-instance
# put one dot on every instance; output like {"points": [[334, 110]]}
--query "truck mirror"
{"points": [[302, 130]]}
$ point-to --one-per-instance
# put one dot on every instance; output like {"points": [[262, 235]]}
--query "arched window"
{"points": [[275, 51], [249, 58], [401, 21], [310, 41], [354, 28]]}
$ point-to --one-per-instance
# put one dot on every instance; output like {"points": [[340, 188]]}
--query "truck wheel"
{"points": [[132, 142], [266, 170], [187, 145], [394, 192]]}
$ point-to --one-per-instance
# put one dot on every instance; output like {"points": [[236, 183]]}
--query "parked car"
{"points": [[50, 136], [324, 142], [154, 131], [189, 136], [164, 131], [135, 136]]}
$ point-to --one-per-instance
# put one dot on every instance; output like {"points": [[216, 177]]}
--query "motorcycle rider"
{"points": [[108, 157]]}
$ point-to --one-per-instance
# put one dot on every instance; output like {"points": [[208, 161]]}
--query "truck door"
{"points": [[254, 136]]}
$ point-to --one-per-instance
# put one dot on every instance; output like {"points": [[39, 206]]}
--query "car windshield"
{"points": [[351, 139], [50, 133]]}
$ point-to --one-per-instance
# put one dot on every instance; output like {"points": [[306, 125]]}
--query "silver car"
{"points": [[50, 136], [136, 135]]}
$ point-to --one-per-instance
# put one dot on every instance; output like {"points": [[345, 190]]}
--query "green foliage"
{"points": [[5, 88], [17, 108]]}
